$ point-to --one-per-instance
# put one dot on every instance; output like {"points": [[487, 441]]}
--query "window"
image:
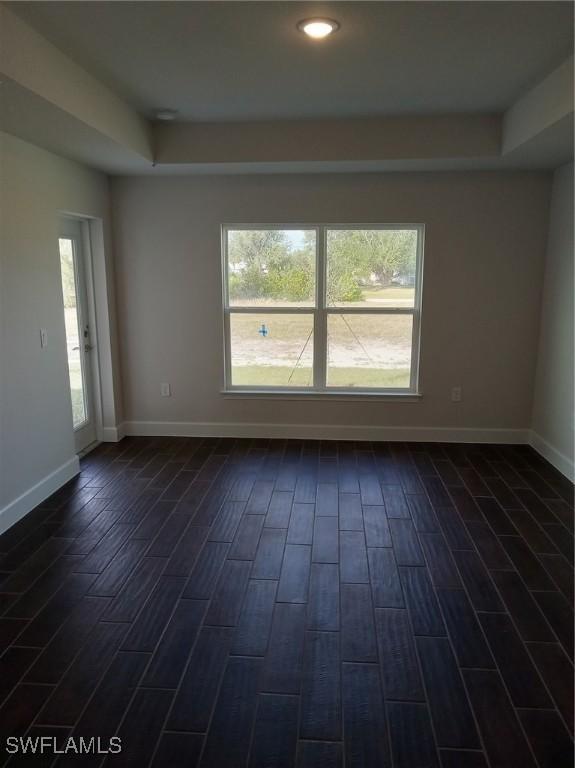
{"points": [[74, 329], [322, 308]]}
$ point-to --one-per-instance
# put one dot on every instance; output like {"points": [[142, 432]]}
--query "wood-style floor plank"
{"points": [[324, 597], [193, 703], [457, 758], [422, 513], [548, 737], [252, 632], [523, 609], [80, 679], [397, 656], [114, 576], [112, 696], [325, 540], [279, 509], [477, 581], [376, 526], [178, 750], [421, 599], [327, 500], [488, 546], [464, 630], [294, 575], [295, 603], [48, 620], [150, 624], [53, 661], [442, 568], [284, 660], [557, 673], [559, 614], [405, 542], [300, 530], [411, 736], [319, 754], [453, 528], [169, 659], [395, 502], [526, 563], [321, 687], [228, 738], [561, 573], [142, 726], [13, 664], [384, 577], [275, 732], [21, 707], [269, 554], [353, 567], [358, 641], [127, 603], [452, 719], [351, 514], [366, 742], [226, 602], [517, 669], [202, 581], [247, 538], [500, 730]]}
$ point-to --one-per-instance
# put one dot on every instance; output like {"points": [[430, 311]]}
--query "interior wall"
{"points": [[553, 411], [484, 249], [36, 436]]}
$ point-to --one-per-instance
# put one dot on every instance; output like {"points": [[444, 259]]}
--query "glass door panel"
{"points": [[76, 316], [74, 331]]}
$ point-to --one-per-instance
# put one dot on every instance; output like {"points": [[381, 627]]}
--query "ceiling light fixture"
{"points": [[318, 28], [166, 114]]}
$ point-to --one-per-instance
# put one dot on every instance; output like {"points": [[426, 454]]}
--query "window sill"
{"points": [[286, 394]]}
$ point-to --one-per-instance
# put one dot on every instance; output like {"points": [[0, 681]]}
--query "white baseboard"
{"points": [[112, 434], [561, 462], [35, 495], [323, 432]]}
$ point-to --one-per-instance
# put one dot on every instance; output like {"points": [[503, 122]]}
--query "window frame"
{"points": [[320, 312]]}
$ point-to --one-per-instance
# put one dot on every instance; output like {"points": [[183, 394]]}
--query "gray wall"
{"points": [[35, 409], [485, 243], [553, 412]]}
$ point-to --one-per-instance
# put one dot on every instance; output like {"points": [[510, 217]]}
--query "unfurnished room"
{"points": [[287, 384]]}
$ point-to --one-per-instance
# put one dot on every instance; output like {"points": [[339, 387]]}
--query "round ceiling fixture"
{"points": [[166, 115], [318, 28]]}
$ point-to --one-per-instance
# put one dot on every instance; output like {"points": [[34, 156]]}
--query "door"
{"points": [[73, 265]]}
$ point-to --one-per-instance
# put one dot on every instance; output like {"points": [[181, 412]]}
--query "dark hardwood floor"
{"points": [[274, 603]]}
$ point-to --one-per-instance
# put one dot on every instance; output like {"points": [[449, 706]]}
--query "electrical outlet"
{"points": [[43, 338], [456, 395], [165, 390]]}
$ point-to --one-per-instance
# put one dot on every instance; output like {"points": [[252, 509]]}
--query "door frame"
{"points": [[95, 403]]}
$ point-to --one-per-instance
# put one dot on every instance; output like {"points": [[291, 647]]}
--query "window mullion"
{"points": [[320, 322], [415, 336], [227, 349]]}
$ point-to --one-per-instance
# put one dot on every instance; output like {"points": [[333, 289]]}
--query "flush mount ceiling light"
{"points": [[166, 115], [318, 28]]}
